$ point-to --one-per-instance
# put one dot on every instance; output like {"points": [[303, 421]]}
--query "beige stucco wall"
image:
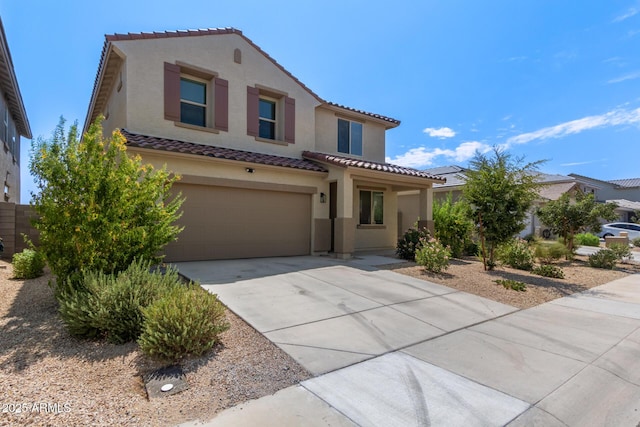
{"points": [[145, 85], [375, 236], [373, 135], [9, 161], [116, 109]]}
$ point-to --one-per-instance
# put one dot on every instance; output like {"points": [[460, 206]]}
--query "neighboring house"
{"points": [[623, 192], [554, 186], [13, 124], [268, 167]]}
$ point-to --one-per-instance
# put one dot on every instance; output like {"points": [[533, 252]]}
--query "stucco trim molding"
{"points": [[251, 185]]}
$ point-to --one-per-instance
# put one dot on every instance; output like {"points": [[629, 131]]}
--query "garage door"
{"points": [[227, 223]]}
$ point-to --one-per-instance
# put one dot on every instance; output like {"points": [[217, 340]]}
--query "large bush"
{"points": [[410, 242], [636, 242], [432, 255], [110, 305], [516, 253], [185, 322], [98, 208], [452, 225], [28, 264], [604, 258]]}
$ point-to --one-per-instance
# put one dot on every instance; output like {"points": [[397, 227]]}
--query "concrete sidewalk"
{"points": [[393, 350]]}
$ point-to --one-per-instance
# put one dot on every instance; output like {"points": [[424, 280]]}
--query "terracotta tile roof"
{"points": [[207, 32], [164, 144], [366, 164]]}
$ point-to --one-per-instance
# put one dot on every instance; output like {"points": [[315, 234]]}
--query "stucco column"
{"points": [[344, 224], [426, 209]]}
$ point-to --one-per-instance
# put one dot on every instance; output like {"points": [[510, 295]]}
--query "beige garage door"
{"points": [[227, 223]]}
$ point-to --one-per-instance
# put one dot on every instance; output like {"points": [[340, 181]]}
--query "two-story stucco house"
{"points": [[268, 167], [13, 124]]}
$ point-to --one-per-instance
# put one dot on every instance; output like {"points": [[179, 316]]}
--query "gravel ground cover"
{"points": [[54, 379]]}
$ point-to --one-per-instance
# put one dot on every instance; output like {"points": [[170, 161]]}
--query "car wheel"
{"points": [[607, 235], [546, 233]]}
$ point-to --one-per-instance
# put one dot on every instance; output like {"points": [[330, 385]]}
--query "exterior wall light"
{"points": [[323, 198], [250, 170]]}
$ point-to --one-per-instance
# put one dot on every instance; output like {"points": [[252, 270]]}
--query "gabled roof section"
{"points": [[106, 56], [9, 84], [175, 146], [626, 183], [347, 162], [554, 191]]}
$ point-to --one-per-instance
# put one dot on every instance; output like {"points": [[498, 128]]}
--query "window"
{"points": [[371, 207], [195, 97], [267, 120], [193, 102], [349, 137], [271, 115]]}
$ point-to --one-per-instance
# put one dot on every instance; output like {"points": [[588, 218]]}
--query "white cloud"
{"points": [[629, 76], [422, 157], [440, 133], [577, 163], [628, 14], [612, 118]]}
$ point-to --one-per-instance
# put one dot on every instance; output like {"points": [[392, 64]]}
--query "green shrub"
{"points": [[433, 256], [28, 264], [471, 248], [186, 321], [512, 284], [549, 253], [587, 239], [516, 254], [111, 305], [621, 250], [604, 258], [452, 224], [636, 242], [548, 270], [409, 243]]}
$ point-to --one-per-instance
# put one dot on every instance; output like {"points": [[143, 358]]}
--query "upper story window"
{"points": [[193, 102], [194, 97], [271, 115], [267, 118], [349, 137]]}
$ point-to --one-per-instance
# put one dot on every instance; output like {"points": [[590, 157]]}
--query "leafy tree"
{"points": [[566, 216], [452, 224], [500, 191], [98, 207]]}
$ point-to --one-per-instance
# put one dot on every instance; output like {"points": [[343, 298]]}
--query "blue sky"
{"points": [[556, 80]]}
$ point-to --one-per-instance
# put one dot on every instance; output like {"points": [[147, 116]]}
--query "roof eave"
{"points": [[15, 102]]}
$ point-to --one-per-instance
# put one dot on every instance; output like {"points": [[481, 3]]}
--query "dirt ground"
{"points": [[54, 379], [468, 275]]}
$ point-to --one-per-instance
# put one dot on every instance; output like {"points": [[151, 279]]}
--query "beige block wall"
{"points": [[145, 84], [373, 135]]}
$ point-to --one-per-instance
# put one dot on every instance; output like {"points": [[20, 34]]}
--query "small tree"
{"points": [[452, 224], [500, 191], [99, 208], [568, 216]]}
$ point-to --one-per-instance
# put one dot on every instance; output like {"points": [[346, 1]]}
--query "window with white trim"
{"points": [[267, 113], [349, 137], [193, 101], [371, 207]]}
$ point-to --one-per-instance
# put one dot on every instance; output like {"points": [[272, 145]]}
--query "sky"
{"points": [[544, 80]]}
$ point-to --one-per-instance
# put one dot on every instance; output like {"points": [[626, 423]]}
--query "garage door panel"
{"points": [[226, 223]]}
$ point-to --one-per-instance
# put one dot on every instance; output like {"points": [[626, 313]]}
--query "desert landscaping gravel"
{"points": [[54, 379], [50, 378]]}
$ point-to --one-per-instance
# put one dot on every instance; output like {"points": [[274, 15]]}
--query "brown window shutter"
{"points": [[171, 92], [221, 104], [289, 120], [253, 101]]}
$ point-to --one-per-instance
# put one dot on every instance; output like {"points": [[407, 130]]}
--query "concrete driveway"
{"points": [[388, 349]]}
